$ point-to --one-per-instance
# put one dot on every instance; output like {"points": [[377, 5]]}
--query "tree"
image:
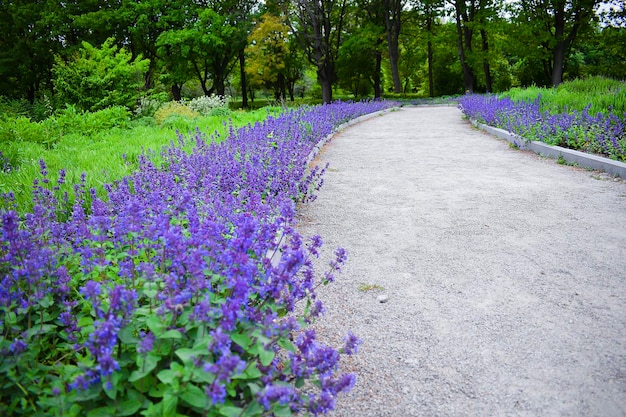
{"points": [[428, 13], [206, 42], [357, 62], [267, 55], [555, 25], [318, 25], [393, 23], [26, 47], [97, 78]]}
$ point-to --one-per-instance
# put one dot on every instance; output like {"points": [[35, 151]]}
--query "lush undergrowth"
{"points": [[104, 145], [560, 117], [595, 94], [175, 294]]}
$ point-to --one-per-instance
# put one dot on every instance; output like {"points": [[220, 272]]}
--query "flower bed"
{"points": [[176, 294], [603, 134]]}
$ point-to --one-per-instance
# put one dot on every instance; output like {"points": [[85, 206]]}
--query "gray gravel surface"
{"points": [[483, 280]]}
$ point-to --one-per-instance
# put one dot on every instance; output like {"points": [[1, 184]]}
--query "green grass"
{"points": [[100, 156], [265, 102], [600, 93], [363, 287]]}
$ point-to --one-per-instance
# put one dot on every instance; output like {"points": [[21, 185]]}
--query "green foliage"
{"points": [[160, 377], [600, 93], [70, 120], [356, 64], [96, 78], [174, 108], [104, 156], [206, 105], [148, 105]]}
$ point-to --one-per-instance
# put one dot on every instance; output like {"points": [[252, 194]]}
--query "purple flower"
{"points": [[351, 344], [18, 346], [216, 392], [281, 394], [146, 344]]}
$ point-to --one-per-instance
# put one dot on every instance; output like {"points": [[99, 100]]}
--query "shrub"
{"points": [[179, 122], [72, 120], [97, 78], [148, 105], [22, 129], [178, 295], [206, 105], [174, 108]]}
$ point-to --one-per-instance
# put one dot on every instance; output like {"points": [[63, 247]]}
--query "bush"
{"points": [[97, 78], [148, 105], [68, 121], [73, 121], [179, 122], [205, 105], [22, 129], [174, 108]]}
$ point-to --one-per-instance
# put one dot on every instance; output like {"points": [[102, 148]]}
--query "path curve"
{"points": [[505, 273]]}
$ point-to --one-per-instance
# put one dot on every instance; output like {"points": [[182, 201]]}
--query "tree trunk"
{"points": [[176, 92], [377, 88], [290, 88], [558, 52], [558, 62], [244, 83], [324, 78], [393, 9], [464, 39], [219, 86], [486, 66], [431, 79]]}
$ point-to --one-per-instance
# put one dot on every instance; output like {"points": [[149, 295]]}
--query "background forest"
{"points": [[94, 54]]}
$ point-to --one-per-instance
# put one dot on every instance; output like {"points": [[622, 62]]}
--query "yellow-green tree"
{"points": [[268, 51]]}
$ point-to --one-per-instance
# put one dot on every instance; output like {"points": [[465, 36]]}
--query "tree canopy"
{"points": [[358, 47]]}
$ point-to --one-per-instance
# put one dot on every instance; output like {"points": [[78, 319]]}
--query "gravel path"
{"points": [[505, 273]]}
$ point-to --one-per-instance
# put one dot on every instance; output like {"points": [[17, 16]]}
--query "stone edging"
{"points": [[572, 156]]}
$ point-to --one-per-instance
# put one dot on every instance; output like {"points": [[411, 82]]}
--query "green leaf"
{"points": [[251, 372], [155, 325], [266, 357], [157, 391], [200, 375], [242, 340], [129, 407], [145, 366], [253, 409], [171, 334], [282, 411], [287, 345], [10, 317], [299, 382], [167, 376], [254, 388], [150, 289], [230, 411], [126, 335], [46, 301], [194, 396], [186, 355], [102, 412], [170, 403], [111, 393], [39, 329]]}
